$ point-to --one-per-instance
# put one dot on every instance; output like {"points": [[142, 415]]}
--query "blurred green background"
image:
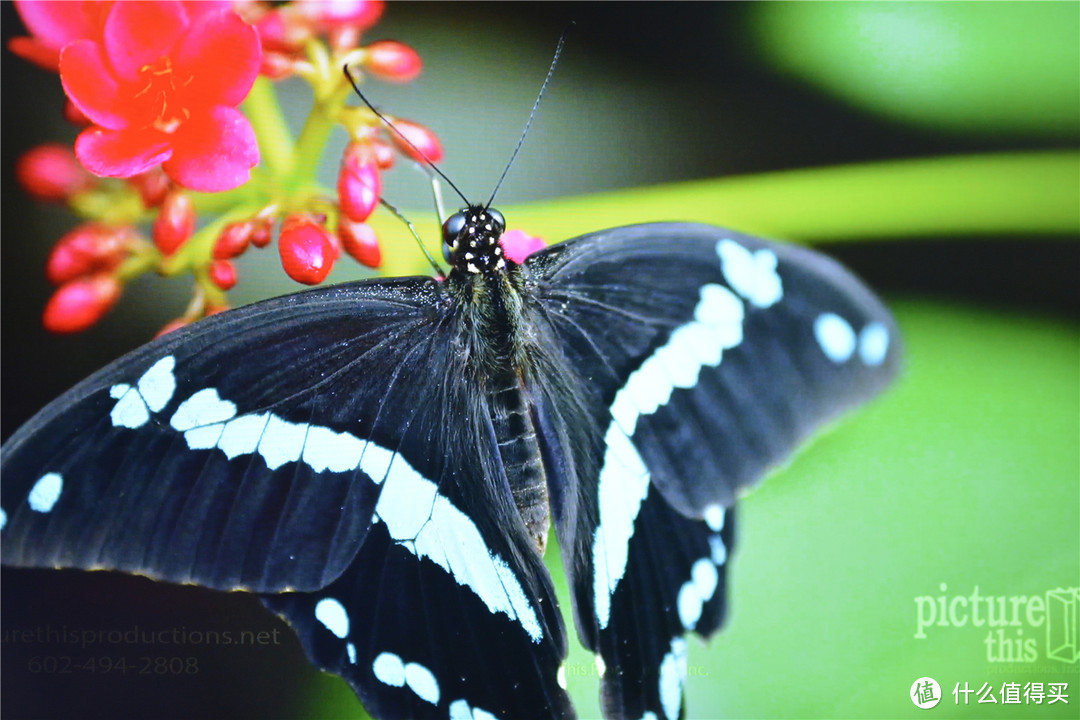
{"points": [[933, 147]]}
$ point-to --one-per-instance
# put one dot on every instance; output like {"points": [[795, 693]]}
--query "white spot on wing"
{"points": [[331, 613], [752, 275], [389, 669], [282, 441], [202, 408], [155, 389], [460, 710], [325, 449], [560, 676], [129, 411], [697, 591], [422, 682], [351, 650], [672, 676], [717, 549], [242, 434], [46, 492], [873, 344], [835, 336], [204, 437], [714, 517], [3, 518], [158, 384]]}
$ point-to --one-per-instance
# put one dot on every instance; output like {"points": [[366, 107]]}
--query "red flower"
{"points": [[55, 23], [518, 245], [307, 250], [162, 85]]}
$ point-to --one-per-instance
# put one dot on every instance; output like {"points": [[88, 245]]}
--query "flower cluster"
{"points": [[184, 162]]}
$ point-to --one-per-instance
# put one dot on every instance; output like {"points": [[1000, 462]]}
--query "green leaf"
{"points": [[962, 67]]}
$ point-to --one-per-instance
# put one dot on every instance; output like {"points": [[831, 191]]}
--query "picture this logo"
{"points": [[1014, 623]]}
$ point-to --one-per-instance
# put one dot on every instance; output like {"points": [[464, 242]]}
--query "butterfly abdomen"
{"points": [[520, 453]]}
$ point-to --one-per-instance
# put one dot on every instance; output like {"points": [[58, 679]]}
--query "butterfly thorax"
{"points": [[489, 288]]}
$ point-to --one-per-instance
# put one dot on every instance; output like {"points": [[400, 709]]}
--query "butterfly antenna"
{"points": [[416, 235], [532, 114], [419, 152]]}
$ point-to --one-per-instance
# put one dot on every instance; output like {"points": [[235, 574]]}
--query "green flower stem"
{"points": [[276, 144], [313, 137]]}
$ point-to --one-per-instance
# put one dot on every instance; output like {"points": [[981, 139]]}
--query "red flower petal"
{"points": [[195, 8], [34, 51], [139, 33], [214, 152], [223, 55], [90, 85], [121, 153], [55, 24]]}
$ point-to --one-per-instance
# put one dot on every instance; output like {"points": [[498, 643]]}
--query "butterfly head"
{"points": [[471, 240]]}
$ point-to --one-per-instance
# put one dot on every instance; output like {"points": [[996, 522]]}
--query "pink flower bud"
{"points": [[307, 252], [79, 304], [383, 151], [51, 172], [391, 60], [328, 14], [152, 185], [284, 30], [359, 183], [89, 248], [277, 66], [175, 222], [518, 245], [233, 240], [223, 274], [360, 241], [422, 139], [263, 232]]}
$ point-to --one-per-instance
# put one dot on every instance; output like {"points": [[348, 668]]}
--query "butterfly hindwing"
{"points": [[702, 357], [328, 451]]}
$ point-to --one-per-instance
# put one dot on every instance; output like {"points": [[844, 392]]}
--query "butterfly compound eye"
{"points": [[498, 218], [451, 230]]}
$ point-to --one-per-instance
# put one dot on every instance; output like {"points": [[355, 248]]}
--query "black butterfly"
{"points": [[379, 460]]}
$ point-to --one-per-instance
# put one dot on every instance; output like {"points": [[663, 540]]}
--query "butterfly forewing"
{"points": [[327, 443], [700, 357]]}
